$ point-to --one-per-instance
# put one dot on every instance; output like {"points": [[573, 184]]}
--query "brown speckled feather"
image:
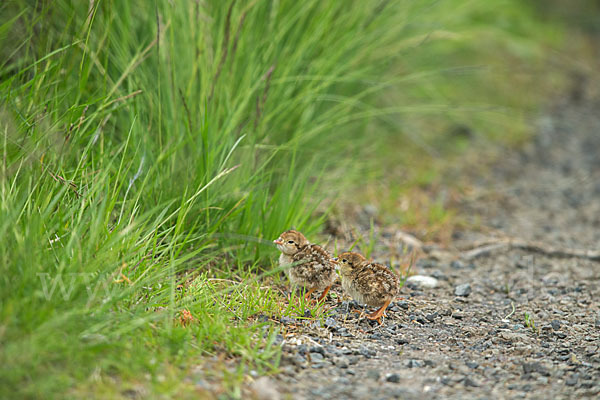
{"points": [[372, 284], [312, 267]]}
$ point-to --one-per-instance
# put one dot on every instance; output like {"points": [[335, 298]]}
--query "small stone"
{"points": [[418, 318], [470, 382], [572, 380], [462, 290], [597, 323], [344, 332], [317, 349], [429, 363], [431, 317], [421, 282], [373, 374], [299, 361], [439, 275], [555, 324], [414, 363], [393, 378], [560, 335], [331, 351], [472, 364], [316, 358], [302, 349], [403, 304], [456, 264]]}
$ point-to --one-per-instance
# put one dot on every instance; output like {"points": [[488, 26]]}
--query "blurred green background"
{"points": [[151, 150]]}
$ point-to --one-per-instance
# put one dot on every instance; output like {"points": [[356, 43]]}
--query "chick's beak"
{"points": [[278, 241], [335, 260]]}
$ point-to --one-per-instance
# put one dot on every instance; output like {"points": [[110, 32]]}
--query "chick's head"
{"points": [[290, 242], [348, 261]]}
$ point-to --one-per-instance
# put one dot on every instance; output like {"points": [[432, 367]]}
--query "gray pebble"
{"points": [[431, 317], [463, 290], [437, 274], [414, 363], [403, 304], [302, 349], [421, 281], [470, 382], [572, 380]]}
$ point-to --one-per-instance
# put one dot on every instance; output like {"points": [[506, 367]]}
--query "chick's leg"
{"points": [[310, 291], [377, 314], [324, 293]]}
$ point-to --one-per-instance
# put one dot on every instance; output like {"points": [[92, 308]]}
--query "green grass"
{"points": [[530, 323], [151, 144]]}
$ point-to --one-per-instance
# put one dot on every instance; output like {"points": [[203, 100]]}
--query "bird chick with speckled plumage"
{"points": [[367, 282], [308, 265]]}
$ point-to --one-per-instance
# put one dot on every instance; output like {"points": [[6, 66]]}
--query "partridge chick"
{"points": [[367, 282], [310, 265]]}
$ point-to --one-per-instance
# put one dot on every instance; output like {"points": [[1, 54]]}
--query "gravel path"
{"points": [[470, 337]]}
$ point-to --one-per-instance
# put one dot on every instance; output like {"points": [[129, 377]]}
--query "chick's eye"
{"points": [[344, 260], [290, 241]]}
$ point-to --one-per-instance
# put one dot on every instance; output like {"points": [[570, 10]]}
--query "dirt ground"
{"points": [[507, 320]]}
